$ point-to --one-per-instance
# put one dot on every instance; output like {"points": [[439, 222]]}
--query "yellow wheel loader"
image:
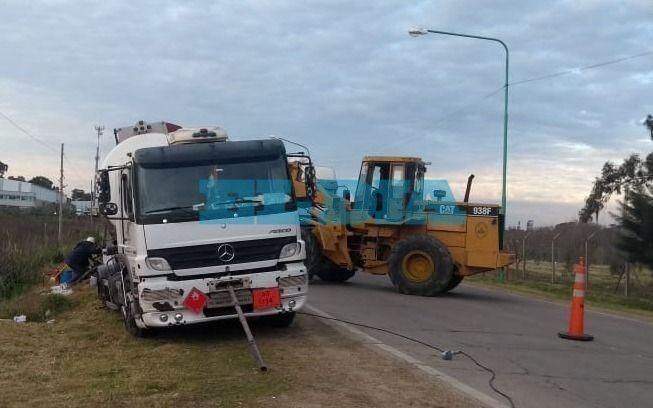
{"points": [[424, 240]]}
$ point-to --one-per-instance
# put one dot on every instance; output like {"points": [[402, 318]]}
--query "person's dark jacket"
{"points": [[78, 259]]}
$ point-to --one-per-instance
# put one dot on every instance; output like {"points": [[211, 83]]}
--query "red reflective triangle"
{"points": [[195, 300]]}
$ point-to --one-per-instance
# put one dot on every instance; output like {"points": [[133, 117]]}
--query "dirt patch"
{"points": [[86, 358]]}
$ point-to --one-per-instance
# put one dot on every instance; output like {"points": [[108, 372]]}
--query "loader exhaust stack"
{"points": [[469, 187]]}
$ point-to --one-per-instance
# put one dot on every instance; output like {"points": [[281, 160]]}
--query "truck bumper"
{"points": [[162, 300]]}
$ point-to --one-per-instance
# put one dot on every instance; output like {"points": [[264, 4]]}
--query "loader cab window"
{"points": [[372, 187], [398, 181]]}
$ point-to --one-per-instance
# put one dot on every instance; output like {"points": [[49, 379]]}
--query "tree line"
{"points": [[633, 239]]}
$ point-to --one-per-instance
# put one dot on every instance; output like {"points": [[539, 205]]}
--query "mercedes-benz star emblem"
{"points": [[226, 253]]}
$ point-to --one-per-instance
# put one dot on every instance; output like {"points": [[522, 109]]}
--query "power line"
{"points": [[455, 112], [39, 141], [583, 68], [31, 136], [449, 116]]}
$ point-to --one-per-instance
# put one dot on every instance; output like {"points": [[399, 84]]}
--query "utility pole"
{"points": [[99, 129], [91, 208], [60, 198]]}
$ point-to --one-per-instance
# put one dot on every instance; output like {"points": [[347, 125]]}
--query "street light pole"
{"points": [[423, 31]]}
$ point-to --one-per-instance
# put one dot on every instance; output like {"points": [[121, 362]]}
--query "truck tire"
{"points": [[313, 255], [420, 265], [283, 320], [129, 319]]}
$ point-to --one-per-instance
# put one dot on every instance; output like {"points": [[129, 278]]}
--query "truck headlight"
{"points": [[158, 264], [289, 250]]}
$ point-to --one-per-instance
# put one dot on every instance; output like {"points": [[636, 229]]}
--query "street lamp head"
{"points": [[416, 32]]}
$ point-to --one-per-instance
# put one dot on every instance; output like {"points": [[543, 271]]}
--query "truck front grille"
{"points": [[289, 281], [199, 256], [158, 295]]}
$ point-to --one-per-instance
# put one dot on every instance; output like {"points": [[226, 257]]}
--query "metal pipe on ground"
{"points": [[253, 348]]}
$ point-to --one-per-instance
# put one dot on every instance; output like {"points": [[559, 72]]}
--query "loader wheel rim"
{"points": [[418, 266]]}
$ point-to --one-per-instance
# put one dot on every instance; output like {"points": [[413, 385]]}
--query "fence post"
{"points": [[523, 254], [627, 266], [587, 259], [553, 261]]}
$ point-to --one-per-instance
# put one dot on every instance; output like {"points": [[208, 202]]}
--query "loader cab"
{"points": [[389, 187]]}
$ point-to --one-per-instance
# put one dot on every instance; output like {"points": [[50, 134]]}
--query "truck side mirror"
{"points": [[346, 194], [311, 182], [104, 193], [108, 209]]}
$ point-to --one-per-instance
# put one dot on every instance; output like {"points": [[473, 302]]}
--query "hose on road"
{"points": [[493, 374]]}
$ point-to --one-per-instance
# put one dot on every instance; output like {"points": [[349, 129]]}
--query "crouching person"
{"points": [[79, 258]]}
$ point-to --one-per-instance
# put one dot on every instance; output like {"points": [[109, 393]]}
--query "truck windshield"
{"points": [[214, 189]]}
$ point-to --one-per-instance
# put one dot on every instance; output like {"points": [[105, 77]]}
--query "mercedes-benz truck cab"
{"points": [[195, 213]]}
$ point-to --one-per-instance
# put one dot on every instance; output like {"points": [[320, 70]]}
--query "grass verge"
{"points": [[86, 359], [562, 292]]}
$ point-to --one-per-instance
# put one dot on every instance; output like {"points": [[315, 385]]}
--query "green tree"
{"points": [[633, 173], [3, 169], [42, 181], [636, 221], [80, 195], [648, 122]]}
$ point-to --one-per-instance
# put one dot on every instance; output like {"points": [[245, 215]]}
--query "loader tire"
{"points": [[420, 265], [455, 281], [330, 272], [319, 265]]}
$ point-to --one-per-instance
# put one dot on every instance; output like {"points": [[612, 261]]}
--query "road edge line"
{"points": [[396, 353]]}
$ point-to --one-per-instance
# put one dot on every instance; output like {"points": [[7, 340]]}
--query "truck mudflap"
{"points": [[168, 303]]}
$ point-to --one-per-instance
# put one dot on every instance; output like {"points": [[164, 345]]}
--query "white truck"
{"points": [[197, 216]]}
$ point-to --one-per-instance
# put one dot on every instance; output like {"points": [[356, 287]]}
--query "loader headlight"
{"points": [[289, 250], [158, 264]]}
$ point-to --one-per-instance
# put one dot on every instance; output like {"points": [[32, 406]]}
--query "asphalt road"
{"points": [[513, 334]]}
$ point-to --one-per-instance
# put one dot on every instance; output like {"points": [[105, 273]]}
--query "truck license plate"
{"points": [[266, 298]]}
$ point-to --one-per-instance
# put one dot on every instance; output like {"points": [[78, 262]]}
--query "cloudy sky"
{"points": [[344, 78]]}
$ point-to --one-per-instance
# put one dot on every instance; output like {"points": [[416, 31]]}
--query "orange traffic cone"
{"points": [[576, 322]]}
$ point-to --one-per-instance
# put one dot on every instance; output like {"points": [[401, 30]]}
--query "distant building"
{"points": [[21, 194], [82, 207]]}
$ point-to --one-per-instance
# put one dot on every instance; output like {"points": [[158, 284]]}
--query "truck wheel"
{"points": [[283, 320], [455, 281], [313, 254], [129, 320], [420, 265]]}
